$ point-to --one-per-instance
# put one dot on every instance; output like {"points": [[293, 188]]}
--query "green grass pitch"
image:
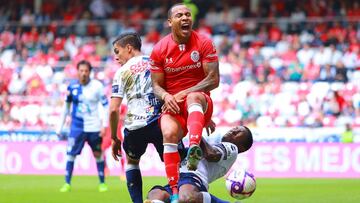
{"points": [[44, 189]]}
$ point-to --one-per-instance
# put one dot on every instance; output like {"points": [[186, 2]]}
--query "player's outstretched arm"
{"points": [[114, 120], [211, 153]]}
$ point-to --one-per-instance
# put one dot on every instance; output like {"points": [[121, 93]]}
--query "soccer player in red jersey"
{"points": [[184, 70]]}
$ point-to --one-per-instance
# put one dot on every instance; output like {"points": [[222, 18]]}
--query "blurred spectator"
{"points": [[17, 85], [290, 60], [327, 73], [347, 136], [100, 8], [27, 18], [193, 8]]}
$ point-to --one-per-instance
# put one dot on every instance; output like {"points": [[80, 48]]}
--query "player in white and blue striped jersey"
{"points": [[133, 82], [84, 100]]}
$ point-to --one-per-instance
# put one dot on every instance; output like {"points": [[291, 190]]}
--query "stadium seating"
{"points": [[293, 71]]}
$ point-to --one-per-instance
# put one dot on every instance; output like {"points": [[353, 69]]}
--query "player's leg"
{"points": [[172, 133], [209, 198], [158, 194], [196, 106], [94, 140], [134, 144], [105, 144], [74, 146], [192, 190], [134, 179]]}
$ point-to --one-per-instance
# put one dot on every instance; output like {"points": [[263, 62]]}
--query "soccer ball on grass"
{"points": [[240, 184]]}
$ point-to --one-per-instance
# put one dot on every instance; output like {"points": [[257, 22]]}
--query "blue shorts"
{"points": [[76, 141], [185, 178], [136, 141]]}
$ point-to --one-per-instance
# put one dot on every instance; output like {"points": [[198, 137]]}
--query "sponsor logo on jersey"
{"points": [[191, 66], [140, 66], [195, 56]]}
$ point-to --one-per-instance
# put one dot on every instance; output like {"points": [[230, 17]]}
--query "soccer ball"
{"points": [[240, 184]]}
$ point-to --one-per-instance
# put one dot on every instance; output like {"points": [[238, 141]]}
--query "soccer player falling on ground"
{"points": [[184, 70], [217, 161], [84, 96], [133, 81]]}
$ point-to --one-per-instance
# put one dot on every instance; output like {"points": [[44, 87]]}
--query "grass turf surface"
{"points": [[45, 189]]}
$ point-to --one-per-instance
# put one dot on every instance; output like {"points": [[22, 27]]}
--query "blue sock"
{"points": [[100, 164], [216, 200], [134, 183], [69, 168]]}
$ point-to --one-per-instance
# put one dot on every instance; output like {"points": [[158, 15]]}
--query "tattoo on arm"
{"points": [[211, 81], [158, 84]]}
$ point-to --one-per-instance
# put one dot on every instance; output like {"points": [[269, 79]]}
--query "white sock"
{"points": [[206, 197]]}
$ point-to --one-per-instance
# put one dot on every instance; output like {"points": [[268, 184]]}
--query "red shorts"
{"points": [[182, 117]]}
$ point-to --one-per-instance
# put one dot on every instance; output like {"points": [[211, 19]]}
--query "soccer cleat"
{"points": [[194, 155], [65, 188], [103, 187], [147, 201], [174, 198]]}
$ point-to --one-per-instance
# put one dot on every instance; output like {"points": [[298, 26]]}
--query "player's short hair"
{"points": [[170, 9], [248, 141], [131, 38], [84, 62]]}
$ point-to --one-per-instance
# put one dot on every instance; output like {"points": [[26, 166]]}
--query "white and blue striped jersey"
{"points": [[86, 112], [211, 171], [133, 81]]}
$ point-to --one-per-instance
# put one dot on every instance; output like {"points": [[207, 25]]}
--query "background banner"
{"points": [[323, 160]]}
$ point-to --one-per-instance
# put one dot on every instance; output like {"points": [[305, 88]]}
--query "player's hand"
{"points": [[210, 127], [180, 96], [170, 104], [116, 149]]}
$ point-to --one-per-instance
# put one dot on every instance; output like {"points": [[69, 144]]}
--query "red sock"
{"points": [[172, 163], [195, 123]]}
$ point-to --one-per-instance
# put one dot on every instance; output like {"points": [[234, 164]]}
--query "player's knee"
{"points": [[169, 135], [195, 96], [187, 197], [157, 194], [131, 161], [97, 154]]}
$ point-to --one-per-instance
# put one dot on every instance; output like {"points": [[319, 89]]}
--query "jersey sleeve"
{"points": [[117, 89], [156, 62], [68, 98], [209, 51], [227, 149]]}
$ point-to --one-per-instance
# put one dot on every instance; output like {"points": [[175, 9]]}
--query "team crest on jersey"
{"points": [[195, 56]]}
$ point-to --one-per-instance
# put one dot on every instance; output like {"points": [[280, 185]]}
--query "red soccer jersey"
{"points": [[182, 63]]}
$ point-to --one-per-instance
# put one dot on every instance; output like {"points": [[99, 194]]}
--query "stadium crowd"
{"points": [[281, 65]]}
